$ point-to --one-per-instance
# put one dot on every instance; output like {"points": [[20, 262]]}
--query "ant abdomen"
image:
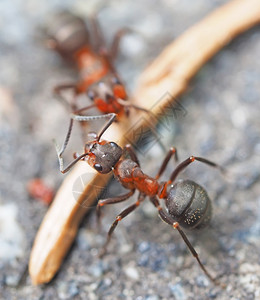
{"points": [[68, 33], [189, 204]]}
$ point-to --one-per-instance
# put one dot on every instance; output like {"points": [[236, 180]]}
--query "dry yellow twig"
{"points": [[179, 62], [170, 72]]}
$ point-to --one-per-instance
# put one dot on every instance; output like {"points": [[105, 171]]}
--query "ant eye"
{"points": [[114, 145], [93, 147], [91, 95], [115, 80], [98, 167]]}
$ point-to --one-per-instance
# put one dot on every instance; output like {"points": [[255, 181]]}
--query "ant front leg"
{"points": [[172, 151], [130, 150], [58, 93], [122, 215], [167, 219], [103, 202]]}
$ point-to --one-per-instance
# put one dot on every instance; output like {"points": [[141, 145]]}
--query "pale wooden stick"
{"points": [[179, 61], [170, 73]]}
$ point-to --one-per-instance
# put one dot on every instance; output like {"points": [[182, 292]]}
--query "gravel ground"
{"points": [[222, 123]]}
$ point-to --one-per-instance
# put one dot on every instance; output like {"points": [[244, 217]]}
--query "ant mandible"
{"points": [[69, 36], [187, 203]]}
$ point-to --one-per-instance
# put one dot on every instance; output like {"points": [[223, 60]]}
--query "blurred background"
{"points": [[146, 259]]}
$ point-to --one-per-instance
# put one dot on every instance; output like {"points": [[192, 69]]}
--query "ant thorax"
{"points": [[103, 156], [131, 176]]}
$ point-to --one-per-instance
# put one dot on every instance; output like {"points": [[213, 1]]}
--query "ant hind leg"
{"points": [[190, 160], [167, 219]]}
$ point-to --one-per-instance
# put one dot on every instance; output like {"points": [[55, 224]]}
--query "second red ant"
{"points": [[98, 79], [69, 36], [187, 203]]}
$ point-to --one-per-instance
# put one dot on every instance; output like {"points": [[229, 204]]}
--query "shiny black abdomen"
{"points": [[68, 32], [189, 204]]}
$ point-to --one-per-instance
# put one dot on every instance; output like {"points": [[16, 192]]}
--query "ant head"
{"points": [[118, 88], [103, 155], [106, 90]]}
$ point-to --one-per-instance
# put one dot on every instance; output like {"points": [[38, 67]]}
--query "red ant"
{"points": [[187, 203], [70, 37]]}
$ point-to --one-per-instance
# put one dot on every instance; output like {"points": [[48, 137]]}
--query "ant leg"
{"points": [[171, 152], [136, 107], [58, 93], [188, 161], [122, 215], [111, 117], [167, 219], [116, 41], [128, 148], [67, 86], [78, 111], [129, 105], [99, 42], [114, 200]]}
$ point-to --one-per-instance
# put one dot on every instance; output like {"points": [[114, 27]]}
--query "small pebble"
{"points": [[84, 239], [202, 281], [151, 297], [62, 290], [12, 237], [213, 293], [143, 247], [104, 284], [143, 261], [132, 273], [96, 270], [132, 45], [73, 289], [178, 291], [12, 280]]}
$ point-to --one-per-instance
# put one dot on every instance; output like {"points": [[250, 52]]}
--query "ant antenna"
{"points": [[111, 116]]}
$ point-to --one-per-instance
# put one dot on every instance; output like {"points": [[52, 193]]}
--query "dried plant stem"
{"points": [[170, 72], [179, 61]]}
